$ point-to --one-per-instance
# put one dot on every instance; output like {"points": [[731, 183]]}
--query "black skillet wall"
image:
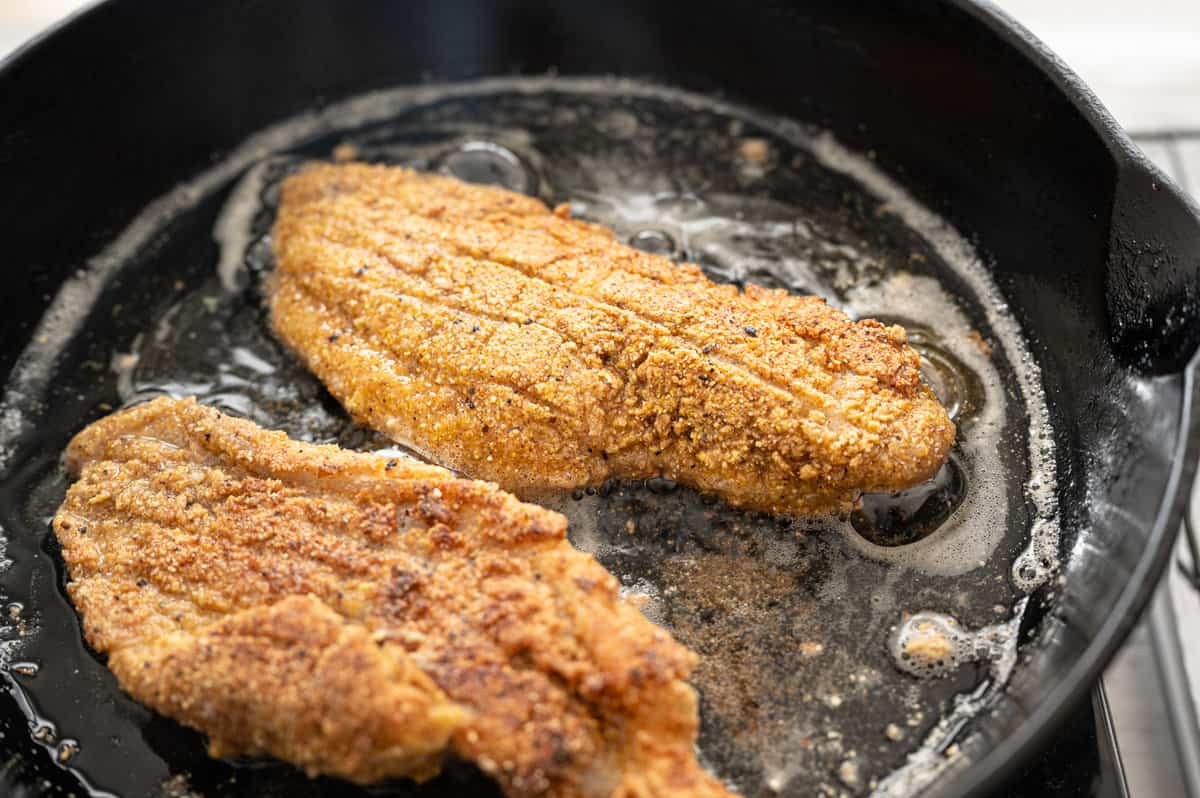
{"points": [[139, 94]]}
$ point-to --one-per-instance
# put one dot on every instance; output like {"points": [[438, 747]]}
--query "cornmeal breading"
{"points": [[363, 617], [516, 344]]}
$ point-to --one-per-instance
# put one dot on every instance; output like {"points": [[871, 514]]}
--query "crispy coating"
{"points": [[521, 346], [364, 617]]}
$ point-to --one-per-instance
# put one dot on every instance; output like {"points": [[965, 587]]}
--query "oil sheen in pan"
{"points": [[842, 655]]}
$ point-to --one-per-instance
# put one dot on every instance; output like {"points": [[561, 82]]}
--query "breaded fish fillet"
{"points": [[518, 345], [364, 617]]}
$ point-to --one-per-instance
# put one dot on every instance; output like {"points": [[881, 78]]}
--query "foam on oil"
{"points": [[1040, 558]]}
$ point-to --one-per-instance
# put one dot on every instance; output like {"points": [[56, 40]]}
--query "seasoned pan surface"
{"points": [[814, 671]]}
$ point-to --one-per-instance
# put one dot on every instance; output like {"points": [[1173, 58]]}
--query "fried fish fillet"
{"points": [[518, 345], [364, 617]]}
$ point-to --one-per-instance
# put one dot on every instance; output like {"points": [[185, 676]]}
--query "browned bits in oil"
{"points": [[66, 750], [25, 668], [980, 342], [754, 150]]}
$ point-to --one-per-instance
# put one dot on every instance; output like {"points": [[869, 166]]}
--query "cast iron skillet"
{"points": [[1097, 253]]}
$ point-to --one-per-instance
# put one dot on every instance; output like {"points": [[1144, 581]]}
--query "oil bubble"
{"points": [[656, 242], [947, 378], [25, 668], [897, 519], [928, 645], [932, 644], [491, 164]]}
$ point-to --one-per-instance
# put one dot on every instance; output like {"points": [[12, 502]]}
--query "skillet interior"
{"points": [[976, 131]]}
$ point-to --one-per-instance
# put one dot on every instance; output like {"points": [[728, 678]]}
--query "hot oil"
{"points": [[803, 627]]}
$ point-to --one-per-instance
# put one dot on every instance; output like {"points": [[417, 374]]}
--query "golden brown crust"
{"points": [[284, 679], [360, 617], [517, 345]]}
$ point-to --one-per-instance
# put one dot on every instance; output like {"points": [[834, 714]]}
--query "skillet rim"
{"points": [[983, 776]]}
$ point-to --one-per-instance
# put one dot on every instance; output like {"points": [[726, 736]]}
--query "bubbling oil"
{"points": [[935, 644], [802, 625]]}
